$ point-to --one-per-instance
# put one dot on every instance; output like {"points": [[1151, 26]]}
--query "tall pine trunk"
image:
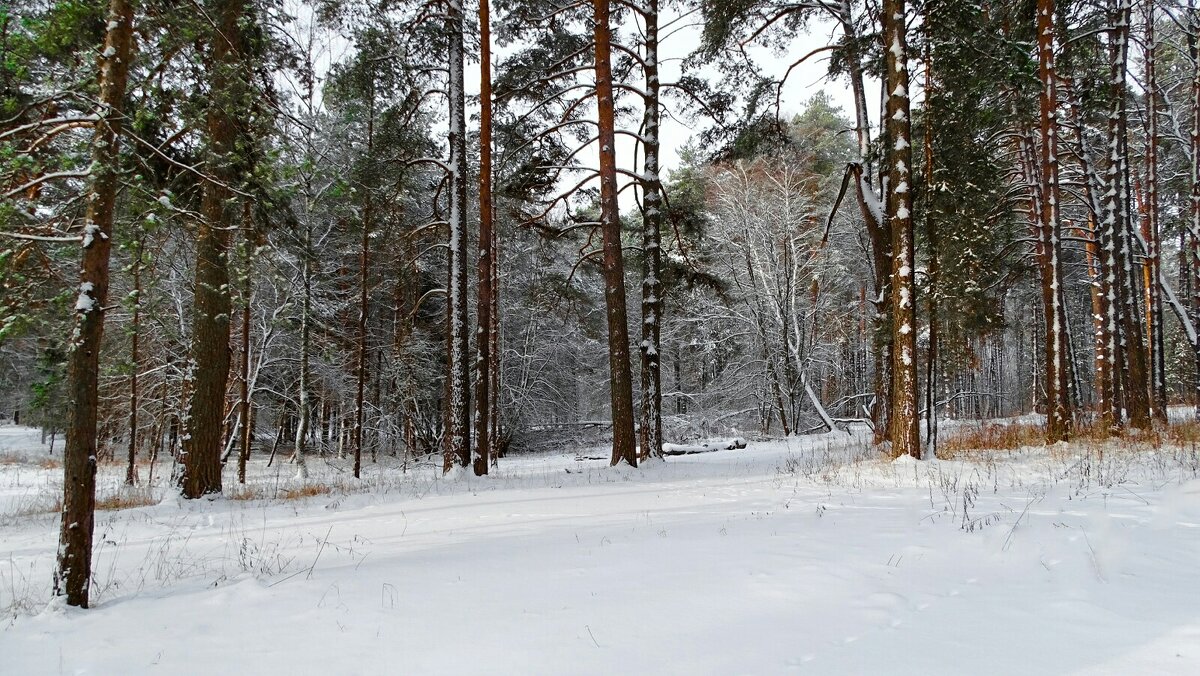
{"points": [[73, 568], [1135, 390], [620, 380], [483, 338], [905, 430], [458, 402], [1153, 265], [200, 456], [934, 267], [1049, 259], [650, 438], [495, 445], [1103, 279], [1193, 248]]}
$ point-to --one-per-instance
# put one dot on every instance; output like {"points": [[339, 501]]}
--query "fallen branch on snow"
{"points": [[708, 447]]}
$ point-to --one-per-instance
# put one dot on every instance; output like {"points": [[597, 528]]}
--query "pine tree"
{"points": [[72, 574], [1049, 252], [200, 456], [905, 434]]}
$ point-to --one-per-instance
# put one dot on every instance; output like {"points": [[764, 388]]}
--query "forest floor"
{"points": [[810, 555]]}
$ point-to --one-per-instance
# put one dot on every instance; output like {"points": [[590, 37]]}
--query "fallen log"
{"points": [[707, 447]]}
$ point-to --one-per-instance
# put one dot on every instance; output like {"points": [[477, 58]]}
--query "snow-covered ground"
{"points": [[811, 556]]}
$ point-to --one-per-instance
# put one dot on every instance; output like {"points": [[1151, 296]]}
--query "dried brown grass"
{"points": [[44, 462], [292, 493], [126, 499], [990, 437]]}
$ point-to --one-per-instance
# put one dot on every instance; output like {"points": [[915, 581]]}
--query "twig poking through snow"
{"points": [[318, 556]]}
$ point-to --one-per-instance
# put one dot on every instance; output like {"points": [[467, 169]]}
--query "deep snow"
{"points": [[809, 555]]}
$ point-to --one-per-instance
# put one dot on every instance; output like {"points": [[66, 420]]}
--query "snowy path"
{"points": [[715, 564]]}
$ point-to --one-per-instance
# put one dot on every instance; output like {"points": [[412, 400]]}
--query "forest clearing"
{"points": [[809, 555], [600, 336]]}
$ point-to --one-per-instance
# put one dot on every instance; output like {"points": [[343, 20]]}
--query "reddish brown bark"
{"points": [[620, 380], [74, 566], [1058, 402], [200, 455]]}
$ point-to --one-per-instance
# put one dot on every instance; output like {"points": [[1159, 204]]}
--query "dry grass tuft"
{"points": [[292, 493], [45, 462], [305, 491], [991, 437], [1182, 433], [245, 492], [1002, 437], [126, 499]]}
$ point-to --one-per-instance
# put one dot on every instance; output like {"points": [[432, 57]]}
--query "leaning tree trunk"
{"points": [[483, 342], [200, 457], [1057, 383], [905, 430], [876, 225], [650, 438], [458, 403], [73, 570], [620, 380]]}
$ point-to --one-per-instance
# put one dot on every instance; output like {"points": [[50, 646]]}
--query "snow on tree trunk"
{"points": [[1193, 247], [1135, 389], [200, 455], [495, 447], [904, 427], [651, 439], [620, 380], [1049, 249], [1150, 227], [877, 227], [73, 569], [1103, 280], [458, 402], [483, 342]]}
